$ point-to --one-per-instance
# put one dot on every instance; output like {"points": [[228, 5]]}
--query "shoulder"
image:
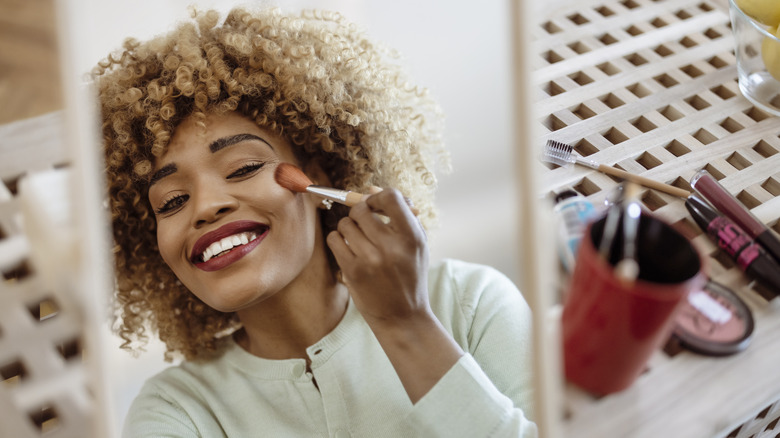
{"points": [[195, 376], [173, 399], [461, 274], [471, 284], [175, 376], [467, 296], [173, 385], [159, 406]]}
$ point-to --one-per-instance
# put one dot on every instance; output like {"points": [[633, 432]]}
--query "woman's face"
{"points": [[229, 232]]}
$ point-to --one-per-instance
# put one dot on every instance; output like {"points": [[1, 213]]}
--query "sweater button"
{"points": [[298, 370], [341, 434]]}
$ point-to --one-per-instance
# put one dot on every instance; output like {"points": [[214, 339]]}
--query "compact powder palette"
{"points": [[714, 321]]}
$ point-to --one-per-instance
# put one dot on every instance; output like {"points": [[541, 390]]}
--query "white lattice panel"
{"points": [[763, 425], [42, 325], [54, 264]]}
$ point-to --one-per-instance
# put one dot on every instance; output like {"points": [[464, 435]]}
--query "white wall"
{"points": [[458, 49]]}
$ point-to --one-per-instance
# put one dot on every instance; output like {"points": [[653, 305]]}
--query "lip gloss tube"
{"points": [[730, 206], [750, 257]]}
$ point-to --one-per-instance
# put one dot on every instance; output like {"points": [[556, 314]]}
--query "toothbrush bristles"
{"points": [[559, 153]]}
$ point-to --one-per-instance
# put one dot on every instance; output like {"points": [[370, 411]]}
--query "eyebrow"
{"points": [[224, 142], [162, 173], [214, 147]]}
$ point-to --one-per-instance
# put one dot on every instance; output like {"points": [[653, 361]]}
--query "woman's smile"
{"points": [[227, 244]]}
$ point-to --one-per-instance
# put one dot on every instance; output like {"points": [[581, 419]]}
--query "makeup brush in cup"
{"points": [[614, 213], [292, 178], [622, 219], [559, 153], [627, 269]]}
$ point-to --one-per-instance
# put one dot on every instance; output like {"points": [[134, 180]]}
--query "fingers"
{"points": [[340, 248], [374, 190], [360, 239], [393, 205], [383, 221]]}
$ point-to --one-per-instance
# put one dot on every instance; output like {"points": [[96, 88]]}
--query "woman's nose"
{"points": [[211, 203]]}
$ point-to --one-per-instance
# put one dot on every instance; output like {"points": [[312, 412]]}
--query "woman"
{"points": [[295, 319]]}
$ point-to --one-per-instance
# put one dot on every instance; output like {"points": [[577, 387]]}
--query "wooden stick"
{"points": [[641, 180]]}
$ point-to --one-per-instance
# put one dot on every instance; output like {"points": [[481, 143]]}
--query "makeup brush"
{"points": [[292, 178], [627, 269], [614, 213], [561, 154], [622, 219]]}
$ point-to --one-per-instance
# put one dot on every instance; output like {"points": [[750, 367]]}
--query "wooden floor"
{"points": [[29, 65]]}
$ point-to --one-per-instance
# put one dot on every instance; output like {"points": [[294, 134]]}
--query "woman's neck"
{"points": [[283, 326]]}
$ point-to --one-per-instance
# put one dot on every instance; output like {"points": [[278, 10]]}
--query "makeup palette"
{"points": [[714, 321]]}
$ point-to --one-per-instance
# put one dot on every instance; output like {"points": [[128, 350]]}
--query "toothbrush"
{"points": [[561, 154]]}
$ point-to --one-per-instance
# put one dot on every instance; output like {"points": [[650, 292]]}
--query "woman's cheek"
{"points": [[164, 243]]}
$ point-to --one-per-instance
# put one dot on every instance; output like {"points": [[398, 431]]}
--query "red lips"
{"points": [[219, 234]]}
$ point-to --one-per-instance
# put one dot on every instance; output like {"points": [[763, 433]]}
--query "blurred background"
{"points": [[459, 50]]}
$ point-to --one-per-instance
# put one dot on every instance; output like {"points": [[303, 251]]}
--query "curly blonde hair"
{"points": [[314, 79]]}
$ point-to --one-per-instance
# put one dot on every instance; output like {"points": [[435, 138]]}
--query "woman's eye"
{"points": [[246, 170], [172, 204]]}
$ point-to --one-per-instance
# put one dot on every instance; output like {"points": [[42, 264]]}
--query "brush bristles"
{"points": [[557, 153], [291, 177]]}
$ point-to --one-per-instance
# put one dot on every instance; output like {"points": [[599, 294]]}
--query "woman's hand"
{"points": [[382, 250], [383, 259]]}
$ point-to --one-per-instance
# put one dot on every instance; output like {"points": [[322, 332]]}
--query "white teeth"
{"points": [[227, 243]]}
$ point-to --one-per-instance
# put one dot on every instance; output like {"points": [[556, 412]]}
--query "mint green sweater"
{"points": [[486, 393]]}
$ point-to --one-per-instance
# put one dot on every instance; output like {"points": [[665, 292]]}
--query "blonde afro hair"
{"points": [[314, 79]]}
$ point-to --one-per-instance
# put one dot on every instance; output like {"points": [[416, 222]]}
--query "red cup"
{"points": [[612, 327]]}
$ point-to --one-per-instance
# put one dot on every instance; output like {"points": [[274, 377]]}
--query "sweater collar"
{"points": [[318, 353]]}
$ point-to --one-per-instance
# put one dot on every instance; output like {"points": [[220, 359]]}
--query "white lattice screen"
{"points": [[50, 324], [42, 324], [54, 263]]}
